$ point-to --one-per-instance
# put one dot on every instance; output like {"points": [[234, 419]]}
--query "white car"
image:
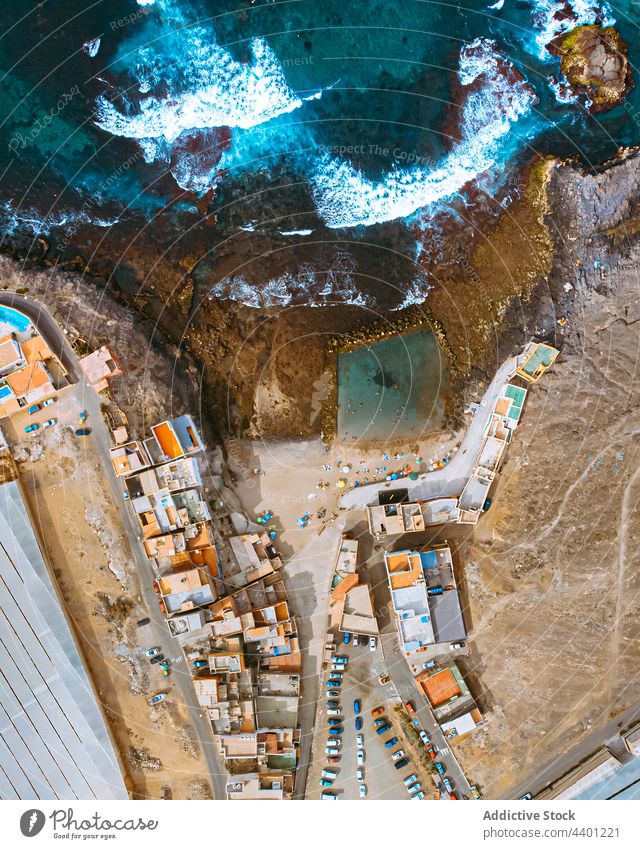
{"points": [[360, 757], [410, 779], [359, 774], [333, 753], [49, 402], [425, 738], [373, 644], [414, 787], [363, 791], [356, 640], [334, 712], [419, 795], [49, 423], [397, 755], [360, 741], [334, 741]]}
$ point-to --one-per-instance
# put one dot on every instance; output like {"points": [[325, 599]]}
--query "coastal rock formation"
{"points": [[594, 61]]}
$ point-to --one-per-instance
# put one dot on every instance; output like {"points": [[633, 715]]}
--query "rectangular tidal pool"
{"points": [[392, 389]]}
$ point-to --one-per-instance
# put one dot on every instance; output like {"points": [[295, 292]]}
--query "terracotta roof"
{"points": [[28, 378], [35, 349], [8, 354]]}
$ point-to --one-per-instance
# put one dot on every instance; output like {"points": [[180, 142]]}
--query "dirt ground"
{"points": [[70, 500], [553, 577]]}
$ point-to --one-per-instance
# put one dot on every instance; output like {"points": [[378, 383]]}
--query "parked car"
{"points": [[340, 658], [158, 658], [401, 764], [383, 729], [486, 505], [356, 640], [336, 732], [453, 797], [333, 694], [456, 646], [166, 668], [526, 797], [328, 796], [334, 682], [397, 755], [30, 428], [380, 721], [413, 788], [332, 703], [390, 742], [329, 773], [83, 431], [360, 741], [338, 667], [49, 402], [158, 697], [377, 711], [440, 767], [49, 423], [416, 722], [334, 722], [200, 664], [33, 409], [447, 784], [410, 779], [360, 757], [356, 706], [373, 644], [153, 652], [431, 752], [359, 774], [363, 791], [419, 795], [334, 759], [334, 741], [338, 674], [141, 622], [436, 793], [474, 791], [325, 782], [358, 723], [429, 664], [347, 637], [425, 738], [334, 712], [408, 706]]}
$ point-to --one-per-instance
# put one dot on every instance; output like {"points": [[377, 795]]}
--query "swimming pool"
{"points": [[14, 318], [4, 392]]}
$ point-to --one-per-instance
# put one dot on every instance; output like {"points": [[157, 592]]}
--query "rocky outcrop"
{"points": [[594, 61]]}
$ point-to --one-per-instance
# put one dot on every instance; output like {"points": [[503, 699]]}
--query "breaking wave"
{"points": [[499, 97], [311, 286], [551, 18]]}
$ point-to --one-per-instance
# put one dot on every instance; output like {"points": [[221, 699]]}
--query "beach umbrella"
{"points": [[414, 476]]}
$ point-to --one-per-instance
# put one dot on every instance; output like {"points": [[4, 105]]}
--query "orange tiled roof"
{"points": [[28, 378], [36, 349]]}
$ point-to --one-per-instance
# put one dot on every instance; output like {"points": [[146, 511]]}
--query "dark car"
{"points": [[390, 742], [30, 428], [199, 664], [83, 431], [381, 721], [142, 622], [440, 767], [383, 729], [157, 659], [358, 723], [356, 706], [401, 763]]}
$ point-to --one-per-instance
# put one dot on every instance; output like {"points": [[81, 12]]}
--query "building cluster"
{"points": [[29, 371], [395, 514], [234, 622], [351, 608]]}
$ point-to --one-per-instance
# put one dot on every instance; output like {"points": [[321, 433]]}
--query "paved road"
{"points": [[158, 633], [608, 735], [449, 481]]}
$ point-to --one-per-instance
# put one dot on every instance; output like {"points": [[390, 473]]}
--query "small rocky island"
{"points": [[594, 61]]}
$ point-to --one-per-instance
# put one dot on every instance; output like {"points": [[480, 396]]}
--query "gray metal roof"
{"points": [[446, 617], [54, 742]]}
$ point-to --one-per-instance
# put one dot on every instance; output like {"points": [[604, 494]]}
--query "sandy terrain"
{"points": [[553, 576], [71, 502]]}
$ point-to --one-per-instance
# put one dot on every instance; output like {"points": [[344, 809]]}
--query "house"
{"points": [[177, 438], [31, 384], [264, 785], [11, 355], [99, 367], [129, 458], [535, 360]]}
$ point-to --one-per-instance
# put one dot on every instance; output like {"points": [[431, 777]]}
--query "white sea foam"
{"points": [[295, 232], [91, 47], [415, 294], [549, 19], [346, 198], [28, 220], [211, 90], [312, 286]]}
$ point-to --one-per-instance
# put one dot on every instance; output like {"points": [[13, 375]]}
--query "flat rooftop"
{"points": [[54, 743]]}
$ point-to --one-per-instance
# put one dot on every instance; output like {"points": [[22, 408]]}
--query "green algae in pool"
{"points": [[392, 389]]}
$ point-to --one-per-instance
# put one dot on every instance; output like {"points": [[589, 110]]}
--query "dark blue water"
{"points": [[342, 115]]}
